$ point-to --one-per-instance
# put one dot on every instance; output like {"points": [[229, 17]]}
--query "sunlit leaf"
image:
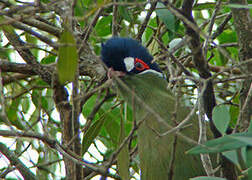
{"points": [[166, 16], [36, 98], [227, 36], [68, 57], [34, 118], [103, 26], [88, 106], [12, 115], [25, 104], [148, 31], [48, 59], [234, 112], [125, 13], [91, 134], [202, 6], [49, 98], [44, 103]]}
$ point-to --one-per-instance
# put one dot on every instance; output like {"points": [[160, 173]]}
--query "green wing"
{"points": [[161, 157]]}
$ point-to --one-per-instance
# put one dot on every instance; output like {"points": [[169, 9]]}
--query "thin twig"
{"points": [[146, 20], [60, 148], [210, 28], [24, 171], [205, 158], [114, 20]]}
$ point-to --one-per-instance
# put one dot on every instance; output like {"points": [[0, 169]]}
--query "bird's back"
{"points": [[161, 157]]}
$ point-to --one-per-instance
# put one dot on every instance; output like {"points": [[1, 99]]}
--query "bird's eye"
{"points": [[140, 65]]}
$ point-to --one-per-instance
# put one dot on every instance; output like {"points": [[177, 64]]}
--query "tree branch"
{"points": [[26, 54], [243, 26], [146, 20], [57, 146], [26, 173]]}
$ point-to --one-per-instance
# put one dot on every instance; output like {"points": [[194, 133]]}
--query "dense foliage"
{"points": [[59, 114]]}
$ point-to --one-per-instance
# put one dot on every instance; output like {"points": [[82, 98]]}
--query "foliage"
{"points": [[56, 100]]}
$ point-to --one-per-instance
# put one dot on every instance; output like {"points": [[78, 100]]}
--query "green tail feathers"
{"points": [[161, 157]]}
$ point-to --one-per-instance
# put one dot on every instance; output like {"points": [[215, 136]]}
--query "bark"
{"points": [[243, 27]]}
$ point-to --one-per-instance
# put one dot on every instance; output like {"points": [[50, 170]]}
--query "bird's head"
{"points": [[128, 56]]}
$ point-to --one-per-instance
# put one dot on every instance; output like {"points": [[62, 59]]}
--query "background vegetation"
{"points": [[80, 129]]}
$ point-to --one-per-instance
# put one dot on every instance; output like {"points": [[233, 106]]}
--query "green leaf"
{"points": [[232, 156], [112, 126], [48, 59], [125, 13], [34, 119], [103, 26], [68, 57], [49, 99], [91, 134], [225, 143], [12, 114], [249, 161], [245, 137], [227, 36], [221, 117], [33, 40], [207, 178], [202, 6], [87, 3], [89, 105], [36, 98], [234, 112], [123, 156], [148, 31], [25, 104], [112, 122], [166, 16], [44, 103], [79, 8]]}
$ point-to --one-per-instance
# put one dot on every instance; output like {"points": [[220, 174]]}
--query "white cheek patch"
{"points": [[129, 63]]}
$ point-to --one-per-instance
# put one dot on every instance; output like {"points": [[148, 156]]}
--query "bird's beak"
{"points": [[112, 73]]}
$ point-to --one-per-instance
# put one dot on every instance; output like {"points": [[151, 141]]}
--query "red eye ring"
{"points": [[140, 65]]}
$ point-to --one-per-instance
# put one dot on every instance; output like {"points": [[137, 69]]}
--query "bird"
{"points": [[141, 83]]}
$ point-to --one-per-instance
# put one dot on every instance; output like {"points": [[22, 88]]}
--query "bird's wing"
{"points": [[161, 157]]}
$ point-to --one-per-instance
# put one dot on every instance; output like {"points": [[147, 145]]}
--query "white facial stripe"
{"points": [[129, 63], [153, 71]]}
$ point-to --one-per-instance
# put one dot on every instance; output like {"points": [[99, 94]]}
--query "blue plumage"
{"points": [[116, 49]]}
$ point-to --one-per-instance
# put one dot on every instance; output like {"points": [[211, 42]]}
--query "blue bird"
{"points": [[162, 155], [128, 56]]}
